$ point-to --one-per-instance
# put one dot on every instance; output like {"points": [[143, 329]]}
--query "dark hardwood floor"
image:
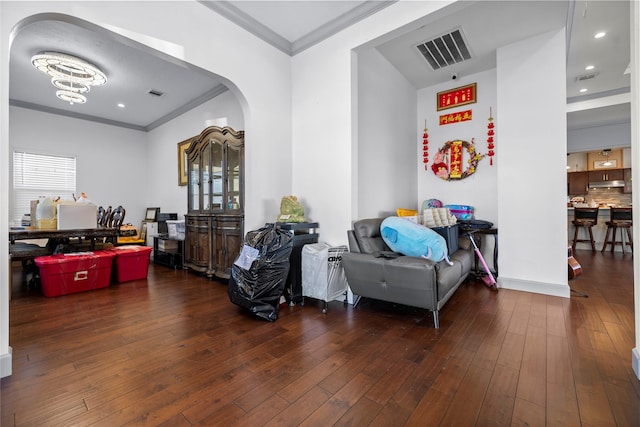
{"points": [[173, 351]]}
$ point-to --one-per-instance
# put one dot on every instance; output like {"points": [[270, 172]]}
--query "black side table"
{"points": [[489, 232], [304, 233]]}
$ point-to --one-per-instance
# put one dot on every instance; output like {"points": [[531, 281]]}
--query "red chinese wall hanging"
{"points": [[450, 159], [490, 135], [425, 146]]}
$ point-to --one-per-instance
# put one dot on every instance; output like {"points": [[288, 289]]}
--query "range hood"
{"points": [[607, 184]]}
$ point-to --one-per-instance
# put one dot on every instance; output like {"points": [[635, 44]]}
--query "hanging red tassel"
{"points": [[425, 146], [490, 134]]}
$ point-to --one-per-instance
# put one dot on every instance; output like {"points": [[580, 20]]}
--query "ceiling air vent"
{"points": [[445, 50], [586, 77], [155, 92]]}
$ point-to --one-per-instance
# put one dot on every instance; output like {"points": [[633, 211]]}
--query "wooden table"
{"points": [[25, 252], [61, 236]]}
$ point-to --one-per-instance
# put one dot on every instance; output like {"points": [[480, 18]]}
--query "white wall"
{"points": [[531, 154], [598, 138], [162, 187], [257, 74], [480, 189], [635, 170], [111, 162], [386, 137], [325, 105], [117, 166]]}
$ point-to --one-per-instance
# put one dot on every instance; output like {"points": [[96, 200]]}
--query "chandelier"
{"points": [[71, 75]]}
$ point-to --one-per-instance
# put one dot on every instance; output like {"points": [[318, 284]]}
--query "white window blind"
{"points": [[40, 175]]}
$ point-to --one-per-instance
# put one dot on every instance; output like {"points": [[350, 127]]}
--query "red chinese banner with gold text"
{"points": [[456, 97], [460, 116], [455, 160]]}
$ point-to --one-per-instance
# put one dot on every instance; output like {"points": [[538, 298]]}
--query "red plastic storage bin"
{"points": [[64, 274], [132, 262]]}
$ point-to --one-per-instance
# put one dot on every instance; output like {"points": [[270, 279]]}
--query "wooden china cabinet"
{"points": [[214, 221]]}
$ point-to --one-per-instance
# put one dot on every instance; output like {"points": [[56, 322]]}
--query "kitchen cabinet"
{"points": [[627, 181], [606, 175], [577, 183], [214, 221]]}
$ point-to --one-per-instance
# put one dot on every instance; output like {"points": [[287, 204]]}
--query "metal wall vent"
{"points": [[155, 92], [586, 77], [445, 50]]}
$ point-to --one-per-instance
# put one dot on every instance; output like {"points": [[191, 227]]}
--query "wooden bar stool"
{"points": [[584, 218], [619, 218]]}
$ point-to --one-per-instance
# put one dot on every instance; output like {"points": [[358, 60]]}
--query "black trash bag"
{"points": [[260, 287]]}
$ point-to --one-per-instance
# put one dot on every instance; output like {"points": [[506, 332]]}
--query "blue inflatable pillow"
{"points": [[411, 239]]}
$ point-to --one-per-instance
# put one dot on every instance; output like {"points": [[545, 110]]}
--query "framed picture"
{"points": [[605, 164], [182, 161], [462, 95], [152, 214], [143, 231]]}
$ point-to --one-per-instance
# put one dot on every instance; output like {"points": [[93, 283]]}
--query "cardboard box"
{"points": [[33, 207], [131, 262], [165, 245], [47, 224], [64, 274], [79, 215]]}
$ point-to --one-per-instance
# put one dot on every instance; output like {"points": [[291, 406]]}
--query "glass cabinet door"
{"points": [[206, 177], [194, 186], [217, 176], [233, 178]]}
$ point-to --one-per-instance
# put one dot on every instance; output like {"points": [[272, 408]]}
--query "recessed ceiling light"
{"points": [[583, 90], [589, 67], [599, 35], [121, 105]]}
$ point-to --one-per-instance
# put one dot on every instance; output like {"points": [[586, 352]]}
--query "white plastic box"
{"points": [[323, 276], [176, 229], [78, 215]]}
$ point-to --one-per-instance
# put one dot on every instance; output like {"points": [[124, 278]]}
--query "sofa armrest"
{"points": [[464, 243]]}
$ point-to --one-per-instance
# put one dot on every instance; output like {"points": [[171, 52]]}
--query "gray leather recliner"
{"points": [[373, 271]]}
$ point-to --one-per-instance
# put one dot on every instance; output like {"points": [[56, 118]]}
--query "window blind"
{"points": [[40, 175]]}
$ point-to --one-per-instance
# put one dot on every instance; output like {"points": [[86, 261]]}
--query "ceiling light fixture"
{"points": [[599, 35], [583, 90], [72, 75], [606, 153], [589, 67]]}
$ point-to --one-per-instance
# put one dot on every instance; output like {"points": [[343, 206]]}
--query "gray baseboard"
{"points": [[5, 364]]}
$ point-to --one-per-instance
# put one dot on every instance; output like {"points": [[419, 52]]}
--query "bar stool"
{"points": [[584, 218], [619, 218]]}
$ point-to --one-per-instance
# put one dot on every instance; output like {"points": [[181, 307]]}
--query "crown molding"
{"points": [[248, 23], [218, 90], [292, 48]]}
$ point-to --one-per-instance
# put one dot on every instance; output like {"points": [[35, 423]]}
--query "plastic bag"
{"points": [[291, 210], [46, 209], [259, 287]]}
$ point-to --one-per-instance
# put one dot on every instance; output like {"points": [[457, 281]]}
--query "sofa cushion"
{"points": [[367, 232], [465, 257]]}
